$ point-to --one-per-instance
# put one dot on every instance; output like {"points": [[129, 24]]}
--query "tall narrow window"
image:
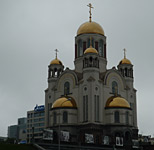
{"points": [[84, 46], [65, 117], [104, 50], [66, 88], [101, 48], [96, 108], [96, 45], [75, 50], [127, 117], [85, 108], [54, 117], [80, 50], [126, 72], [114, 87], [116, 117]]}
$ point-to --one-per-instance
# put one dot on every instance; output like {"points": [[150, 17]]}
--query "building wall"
{"points": [[35, 125]]}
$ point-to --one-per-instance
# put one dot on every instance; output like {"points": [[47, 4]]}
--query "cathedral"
{"points": [[91, 103]]}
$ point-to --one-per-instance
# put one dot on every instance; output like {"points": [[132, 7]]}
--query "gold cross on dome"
{"points": [[90, 6], [56, 50], [124, 52]]}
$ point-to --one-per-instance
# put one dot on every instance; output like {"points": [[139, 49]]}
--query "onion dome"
{"points": [[90, 27], [65, 101], [125, 60], [116, 101], [56, 62], [90, 50]]}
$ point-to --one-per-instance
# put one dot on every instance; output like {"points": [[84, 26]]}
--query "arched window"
{"points": [[114, 87], [90, 61], [126, 72], [80, 49], [116, 117], [100, 48], [65, 117], [66, 88], [54, 117], [127, 117]]}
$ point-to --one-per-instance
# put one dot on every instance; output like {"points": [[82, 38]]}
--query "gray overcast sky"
{"points": [[30, 31]]}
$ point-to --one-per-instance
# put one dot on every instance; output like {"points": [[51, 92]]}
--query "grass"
{"points": [[16, 147]]}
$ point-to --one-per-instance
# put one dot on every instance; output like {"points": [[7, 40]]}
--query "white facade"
{"points": [[105, 99]]}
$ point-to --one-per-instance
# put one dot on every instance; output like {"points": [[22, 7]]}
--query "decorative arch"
{"points": [[114, 75], [69, 76]]}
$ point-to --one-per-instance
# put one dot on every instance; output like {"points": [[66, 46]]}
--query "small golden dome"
{"points": [[125, 61], [56, 62], [90, 50], [114, 101], [66, 101], [90, 27]]}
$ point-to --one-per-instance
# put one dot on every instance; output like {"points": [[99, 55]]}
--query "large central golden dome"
{"points": [[90, 27]]}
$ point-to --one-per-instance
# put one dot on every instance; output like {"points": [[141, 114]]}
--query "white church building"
{"points": [[92, 103]]}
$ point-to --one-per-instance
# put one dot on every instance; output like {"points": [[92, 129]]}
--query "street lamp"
{"points": [[68, 99]]}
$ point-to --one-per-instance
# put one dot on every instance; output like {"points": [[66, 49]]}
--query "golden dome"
{"points": [[64, 102], [90, 27], [90, 50], [56, 62], [125, 61], [117, 102]]}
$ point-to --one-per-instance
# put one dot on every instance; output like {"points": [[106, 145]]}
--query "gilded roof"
{"points": [[90, 50], [56, 61], [90, 27], [65, 101], [116, 101], [125, 61]]}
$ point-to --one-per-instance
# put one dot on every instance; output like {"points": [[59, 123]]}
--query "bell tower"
{"points": [[82, 42]]}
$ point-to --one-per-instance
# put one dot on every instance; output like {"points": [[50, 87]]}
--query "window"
{"points": [[66, 88], [80, 50], [65, 117], [96, 98], [114, 87], [36, 120], [126, 72], [127, 117], [54, 117], [85, 108], [84, 46], [96, 45], [116, 117], [100, 48], [41, 119]]}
